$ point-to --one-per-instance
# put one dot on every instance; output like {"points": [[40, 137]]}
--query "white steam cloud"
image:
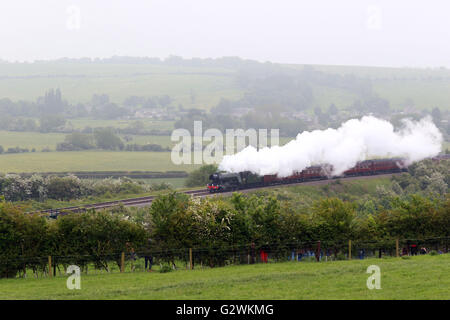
{"points": [[356, 140]]}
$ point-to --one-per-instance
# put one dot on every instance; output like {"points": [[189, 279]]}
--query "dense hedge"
{"points": [[177, 222], [95, 237], [16, 188], [217, 228]]}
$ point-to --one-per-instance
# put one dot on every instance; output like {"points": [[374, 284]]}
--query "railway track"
{"points": [[145, 201]]}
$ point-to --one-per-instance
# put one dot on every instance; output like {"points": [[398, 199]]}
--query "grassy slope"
{"points": [[420, 277], [79, 82], [303, 196], [427, 88]]}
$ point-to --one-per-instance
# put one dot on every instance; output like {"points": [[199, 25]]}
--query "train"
{"points": [[226, 181]]}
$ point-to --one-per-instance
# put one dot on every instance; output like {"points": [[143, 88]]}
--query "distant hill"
{"points": [[202, 83]]}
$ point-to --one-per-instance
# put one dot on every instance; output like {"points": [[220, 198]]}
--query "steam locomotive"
{"points": [[223, 181]]}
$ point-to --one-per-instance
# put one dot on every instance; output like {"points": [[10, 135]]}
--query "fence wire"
{"points": [[168, 259]]}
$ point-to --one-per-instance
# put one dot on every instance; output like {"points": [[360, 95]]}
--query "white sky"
{"points": [[344, 32]]}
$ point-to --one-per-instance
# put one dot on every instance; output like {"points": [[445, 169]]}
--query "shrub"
{"points": [[165, 269], [200, 177]]}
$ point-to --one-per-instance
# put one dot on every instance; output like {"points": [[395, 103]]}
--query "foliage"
{"points": [[106, 139], [200, 176], [16, 188], [96, 237], [21, 235]]}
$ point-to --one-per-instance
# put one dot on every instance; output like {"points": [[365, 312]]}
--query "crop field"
{"points": [[418, 277], [90, 161]]}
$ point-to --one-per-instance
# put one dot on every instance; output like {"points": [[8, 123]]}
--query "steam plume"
{"points": [[356, 140]]}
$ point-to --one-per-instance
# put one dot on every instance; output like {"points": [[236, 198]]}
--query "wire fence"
{"points": [[168, 259]]}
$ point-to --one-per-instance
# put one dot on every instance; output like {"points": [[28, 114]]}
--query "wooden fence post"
{"points": [[349, 249], [318, 251], [122, 262], [50, 272], [396, 248], [190, 259]]}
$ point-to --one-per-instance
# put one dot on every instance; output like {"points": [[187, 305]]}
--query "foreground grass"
{"points": [[420, 277]]}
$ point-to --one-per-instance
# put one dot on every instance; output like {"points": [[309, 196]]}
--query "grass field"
{"points": [[30, 140], [90, 161], [419, 277]]}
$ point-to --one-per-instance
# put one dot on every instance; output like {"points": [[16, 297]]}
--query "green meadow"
{"points": [[418, 277], [90, 161]]}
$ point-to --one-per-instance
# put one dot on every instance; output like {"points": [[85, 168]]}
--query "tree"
{"points": [[99, 100], [200, 176], [76, 141], [51, 123], [52, 102], [411, 218], [164, 100], [334, 218], [22, 235], [63, 188], [97, 237], [436, 114], [106, 139], [333, 110]]}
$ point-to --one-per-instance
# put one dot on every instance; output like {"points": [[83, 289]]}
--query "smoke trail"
{"points": [[356, 140]]}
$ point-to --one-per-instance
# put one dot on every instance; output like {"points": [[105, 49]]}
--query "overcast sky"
{"points": [[344, 32]]}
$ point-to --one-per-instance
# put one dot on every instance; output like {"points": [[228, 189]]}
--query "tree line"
{"points": [[216, 227]]}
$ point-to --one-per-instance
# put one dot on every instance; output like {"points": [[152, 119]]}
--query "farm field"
{"points": [[79, 81], [30, 140], [89, 161], [418, 277], [95, 123], [39, 141], [203, 87]]}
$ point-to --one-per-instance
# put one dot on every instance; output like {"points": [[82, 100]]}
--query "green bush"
{"points": [[200, 177], [165, 269]]}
